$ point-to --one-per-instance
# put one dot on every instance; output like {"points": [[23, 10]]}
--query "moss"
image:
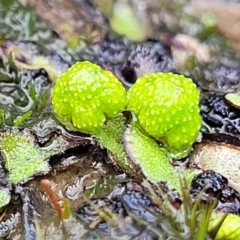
{"points": [[86, 95]]}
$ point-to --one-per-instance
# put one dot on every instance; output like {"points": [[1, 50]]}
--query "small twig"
{"points": [[46, 185]]}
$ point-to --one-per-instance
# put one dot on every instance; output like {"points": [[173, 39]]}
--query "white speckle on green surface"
{"points": [[100, 95], [174, 105]]}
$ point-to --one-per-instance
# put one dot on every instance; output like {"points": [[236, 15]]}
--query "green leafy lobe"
{"points": [[153, 161]]}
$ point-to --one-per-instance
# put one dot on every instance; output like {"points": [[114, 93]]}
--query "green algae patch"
{"points": [[21, 156]]}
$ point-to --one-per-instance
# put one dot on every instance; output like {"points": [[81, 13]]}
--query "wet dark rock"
{"points": [[38, 78], [44, 130], [212, 185], [149, 57], [129, 61], [8, 226], [31, 55], [29, 214], [126, 200], [219, 116], [217, 78], [111, 52]]}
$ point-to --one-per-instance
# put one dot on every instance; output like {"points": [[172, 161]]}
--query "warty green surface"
{"points": [[167, 108], [86, 95]]}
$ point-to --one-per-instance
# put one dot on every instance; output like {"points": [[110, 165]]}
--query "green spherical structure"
{"points": [[167, 108], [85, 95]]}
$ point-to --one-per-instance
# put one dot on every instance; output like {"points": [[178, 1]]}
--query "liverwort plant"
{"points": [[85, 95], [167, 109], [165, 123], [88, 99]]}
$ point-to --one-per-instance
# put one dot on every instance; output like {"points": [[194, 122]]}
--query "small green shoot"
{"points": [[18, 121]]}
